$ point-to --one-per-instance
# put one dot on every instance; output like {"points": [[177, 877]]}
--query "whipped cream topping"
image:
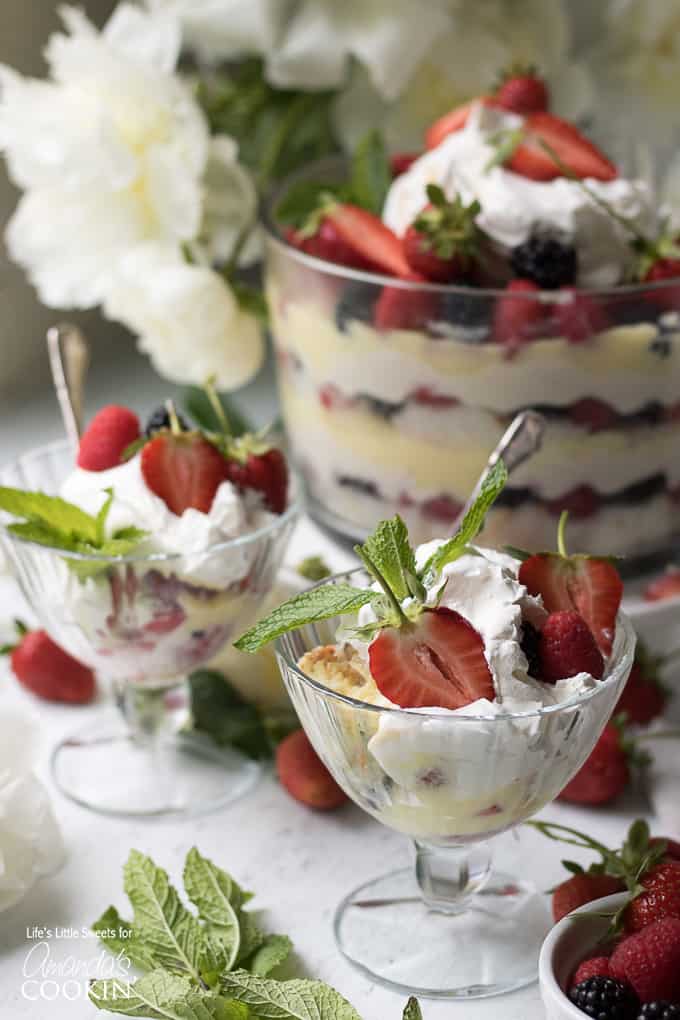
{"points": [[514, 207], [193, 534]]}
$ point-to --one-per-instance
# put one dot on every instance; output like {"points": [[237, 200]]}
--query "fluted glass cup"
{"points": [[456, 927], [143, 622]]}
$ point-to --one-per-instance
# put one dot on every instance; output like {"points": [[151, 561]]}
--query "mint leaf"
{"points": [[391, 552], [219, 710], [119, 937], [371, 175], [304, 199], [251, 300], [287, 1000], [252, 936], [65, 519], [271, 954], [307, 607], [163, 996], [172, 935], [314, 568], [412, 1010], [472, 523], [210, 890], [102, 515]]}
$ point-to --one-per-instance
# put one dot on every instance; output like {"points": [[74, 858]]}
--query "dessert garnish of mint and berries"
{"points": [[540, 235], [450, 629], [169, 499]]}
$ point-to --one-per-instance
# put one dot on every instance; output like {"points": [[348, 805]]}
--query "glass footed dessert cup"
{"points": [[144, 623], [455, 927], [394, 393]]}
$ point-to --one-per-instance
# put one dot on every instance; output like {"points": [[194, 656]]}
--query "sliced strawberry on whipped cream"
{"points": [[436, 661]]}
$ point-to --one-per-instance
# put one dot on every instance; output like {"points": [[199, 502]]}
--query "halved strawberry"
{"points": [[327, 243], [400, 162], [580, 317], [591, 587], [518, 315], [184, 469], [437, 661], [369, 238], [572, 149], [264, 471], [399, 308], [454, 120]]}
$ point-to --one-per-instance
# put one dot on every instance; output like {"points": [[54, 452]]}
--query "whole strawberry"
{"points": [[441, 243], [650, 961], [522, 90], [518, 315], [659, 896], [644, 697], [580, 889], [566, 647], [305, 776], [605, 773], [263, 470], [666, 586], [46, 670]]}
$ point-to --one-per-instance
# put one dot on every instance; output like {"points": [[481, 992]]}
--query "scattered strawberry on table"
{"points": [[606, 772], [645, 697], [45, 669], [666, 586], [304, 775]]}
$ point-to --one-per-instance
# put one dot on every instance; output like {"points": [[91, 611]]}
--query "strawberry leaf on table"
{"points": [[472, 523]]}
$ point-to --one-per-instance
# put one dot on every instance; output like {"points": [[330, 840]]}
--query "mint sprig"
{"points": [[54, 522], [172, 945], [390, 559]]}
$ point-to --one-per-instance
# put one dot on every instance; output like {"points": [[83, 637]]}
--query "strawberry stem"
{"points": [[175, 426], [561, 528], [663, 735], [216, 404], [401, 617], [551, 830]]}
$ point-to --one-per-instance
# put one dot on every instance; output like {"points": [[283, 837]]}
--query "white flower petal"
{"points": [[221, 29], [150, 42], [229, 202], [187, 319]]}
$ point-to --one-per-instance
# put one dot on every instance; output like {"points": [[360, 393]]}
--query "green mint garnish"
{"points": [[314, 568], [370, 176], [388, 556], [51, 521], [472, 523], [212, 965], [307, 607], [505, 144]]}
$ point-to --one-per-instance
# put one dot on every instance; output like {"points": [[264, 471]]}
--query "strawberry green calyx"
{"points": [[449, 228], [517, 69], [21, 630]]}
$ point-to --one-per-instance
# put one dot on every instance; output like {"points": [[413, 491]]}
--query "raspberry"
{"points": [[605, 999], [650, 961], [596, 966], [567, 647], [109, 433]]}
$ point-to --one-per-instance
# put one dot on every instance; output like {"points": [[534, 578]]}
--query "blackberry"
{"points": [[356, 302], [546, 261], [659, 1011], [463, 317], [605, 999], [529, 645], [160, 419]]}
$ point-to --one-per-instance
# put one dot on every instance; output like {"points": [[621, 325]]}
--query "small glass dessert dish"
{"points": [[143, 561], [412, 322], [463, 697]]}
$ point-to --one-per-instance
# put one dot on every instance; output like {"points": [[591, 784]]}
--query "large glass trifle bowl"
{"points": [[143, 622], [395, 392], [450, 780]]}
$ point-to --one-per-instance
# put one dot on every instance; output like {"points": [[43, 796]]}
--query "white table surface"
{"points": [[299, 863]]}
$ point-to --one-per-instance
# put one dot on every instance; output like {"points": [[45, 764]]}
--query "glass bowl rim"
{"points": [[291, 512], [274, 237], [626, 647]]}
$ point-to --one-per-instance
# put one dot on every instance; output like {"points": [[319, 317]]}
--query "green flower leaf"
{"points": [[472, 523], [287, 1000], [163, 996], [307, 607], [371, 176]]}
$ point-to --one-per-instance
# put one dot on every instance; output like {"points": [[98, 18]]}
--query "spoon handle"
{"points": [[69, 358], [520, 441]]}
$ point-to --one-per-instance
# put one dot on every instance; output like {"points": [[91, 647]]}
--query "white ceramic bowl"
{"points": [[570, 941]]}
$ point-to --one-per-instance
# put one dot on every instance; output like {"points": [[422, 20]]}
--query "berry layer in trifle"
{"points": [[463, 687], [527, 271], [152, 547]]}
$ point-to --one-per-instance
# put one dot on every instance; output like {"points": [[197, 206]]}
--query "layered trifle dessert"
{"points": [[154, 544], [463, 687], [527, 271]]}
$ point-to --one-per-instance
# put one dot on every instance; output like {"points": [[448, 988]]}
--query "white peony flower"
{"points": [[229, 205], [218, 30], [187, 318], [483, 38], [111, 152], [30, 841]]}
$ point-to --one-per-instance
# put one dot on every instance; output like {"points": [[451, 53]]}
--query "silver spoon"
{"points": [[69, 357], [520, 441]]}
